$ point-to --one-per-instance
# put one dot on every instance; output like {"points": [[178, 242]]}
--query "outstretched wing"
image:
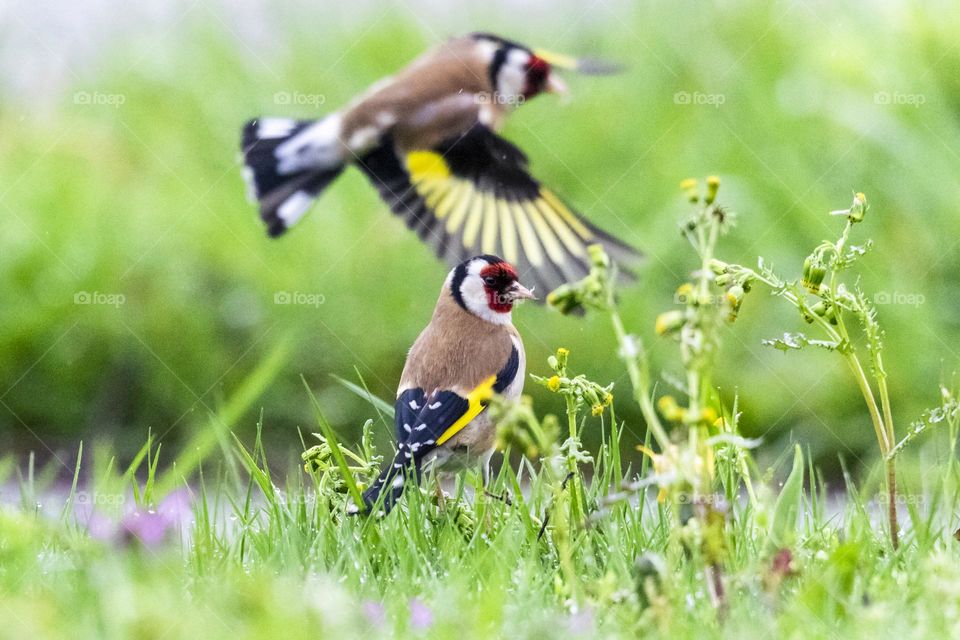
{"points": [[474, 194]]}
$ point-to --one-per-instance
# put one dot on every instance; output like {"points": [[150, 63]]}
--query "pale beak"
{"points": [[519, 292], [556, 85]]}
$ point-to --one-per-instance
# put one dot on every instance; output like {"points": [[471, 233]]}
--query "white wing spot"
{"points": [[406, 427], [398, 482], [421, 427], [414, 405], [269, 128], [435, 405], [294, 207]]}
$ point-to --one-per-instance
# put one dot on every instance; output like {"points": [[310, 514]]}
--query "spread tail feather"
{"points": [[288, 163]]}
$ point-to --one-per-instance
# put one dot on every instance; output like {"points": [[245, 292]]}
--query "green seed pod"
{"points": [[858, 209], [814, 272], [718, 266], [565, 299], [723, 279]]}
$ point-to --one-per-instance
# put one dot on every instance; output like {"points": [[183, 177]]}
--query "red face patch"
{"points": [[497, 280], [538, 70]]}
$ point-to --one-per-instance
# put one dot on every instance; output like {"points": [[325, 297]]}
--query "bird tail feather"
{"points": [[288, 163], [389, 485]]}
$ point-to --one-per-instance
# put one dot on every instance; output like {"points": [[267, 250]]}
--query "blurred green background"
{"points": [[120, 187]]}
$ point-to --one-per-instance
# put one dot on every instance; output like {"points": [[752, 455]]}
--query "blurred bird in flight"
{"points": [[427, 140]]}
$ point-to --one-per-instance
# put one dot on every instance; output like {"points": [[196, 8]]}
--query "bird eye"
{"points": [[490, 281]]}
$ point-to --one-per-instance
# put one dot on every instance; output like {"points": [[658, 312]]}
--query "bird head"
{"points": [[517, 73], [487, 287]]}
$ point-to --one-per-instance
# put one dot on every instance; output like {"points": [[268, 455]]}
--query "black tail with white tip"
{"points": [[288, 163]]}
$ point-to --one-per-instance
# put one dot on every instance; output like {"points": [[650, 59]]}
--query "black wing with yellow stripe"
{"points": [[474, 194], [427, 421]]}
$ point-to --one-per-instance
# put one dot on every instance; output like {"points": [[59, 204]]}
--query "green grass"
{"points": [[266, 553]]}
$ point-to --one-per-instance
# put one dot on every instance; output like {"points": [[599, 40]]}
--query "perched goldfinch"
{"points": [[426, 139], [469, 351]]}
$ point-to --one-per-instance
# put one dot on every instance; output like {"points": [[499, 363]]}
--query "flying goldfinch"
{"points": [[469, 351], [427, 140]]}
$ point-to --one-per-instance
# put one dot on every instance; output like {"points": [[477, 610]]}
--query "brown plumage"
{"points": [[431, 100], [469, 348], [457, 350]]}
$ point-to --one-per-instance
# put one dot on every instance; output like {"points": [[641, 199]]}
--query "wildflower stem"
{"points": [[576, 508], [882, 424], [639, 377]]}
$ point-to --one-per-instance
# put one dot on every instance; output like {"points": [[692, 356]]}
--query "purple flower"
{"points": [[421, 618], [100, 527], [152, 527], [147, 527], [375, 613], [176, 508]]}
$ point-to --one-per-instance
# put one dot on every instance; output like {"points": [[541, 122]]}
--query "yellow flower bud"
{"points": [[562, 352], [597, 410], [708, 415], [684, 294], [713, 185], [859, 208], [553, 384], [689, 186], [669, 409], [608, 399], [668, 322]]}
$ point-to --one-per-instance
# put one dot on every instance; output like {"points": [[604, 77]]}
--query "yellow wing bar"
{"points": [[476, 402]]}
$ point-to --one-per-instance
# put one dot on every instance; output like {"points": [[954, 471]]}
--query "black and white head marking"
{"points": [[487, 287]]}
